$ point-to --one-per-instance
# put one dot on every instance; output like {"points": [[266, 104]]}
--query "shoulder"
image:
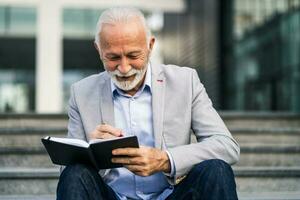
{"points": [[177, 72], [91, 82]]}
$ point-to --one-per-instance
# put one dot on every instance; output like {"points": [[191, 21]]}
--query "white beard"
{"points": [[128, 85]]}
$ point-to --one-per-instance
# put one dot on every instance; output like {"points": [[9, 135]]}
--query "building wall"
{"points": [[261, 57], [192, 39]]}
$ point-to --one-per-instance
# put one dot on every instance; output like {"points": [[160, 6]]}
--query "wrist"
{"points": [[166, 167]]}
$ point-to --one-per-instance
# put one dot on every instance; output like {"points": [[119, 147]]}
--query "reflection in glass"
{"points": [[264, 73], [17, 59]]}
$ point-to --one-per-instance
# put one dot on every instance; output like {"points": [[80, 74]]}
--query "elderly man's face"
{"points": [[125, 53]]}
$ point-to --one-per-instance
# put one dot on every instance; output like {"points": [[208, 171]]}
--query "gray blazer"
{"points": [[180, 107]]}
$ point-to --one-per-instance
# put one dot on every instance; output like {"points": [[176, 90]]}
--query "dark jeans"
{"points": [[211, 179]]}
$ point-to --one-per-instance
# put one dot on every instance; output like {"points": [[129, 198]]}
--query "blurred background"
{"points": [[246, 52]]}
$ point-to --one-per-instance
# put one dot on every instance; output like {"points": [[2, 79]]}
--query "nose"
{"points": [[124, 67]]}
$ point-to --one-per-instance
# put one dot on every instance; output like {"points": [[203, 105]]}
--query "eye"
{"points": [[133, 56], [113, 58]]}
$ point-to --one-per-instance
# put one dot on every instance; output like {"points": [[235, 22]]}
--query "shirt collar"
{"points": [[147, 84]]}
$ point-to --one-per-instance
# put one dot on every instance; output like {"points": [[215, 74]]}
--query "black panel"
{"points": [[17, 53], [81, 54]]}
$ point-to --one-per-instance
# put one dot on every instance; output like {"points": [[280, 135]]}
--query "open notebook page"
{"points": [[72, 141]]}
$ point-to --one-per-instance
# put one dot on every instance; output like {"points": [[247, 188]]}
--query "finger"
{"points": [[124, 161], [95, 135], [110, 129], [101, 135], [128, 160], [108, 136], [127, 152]]}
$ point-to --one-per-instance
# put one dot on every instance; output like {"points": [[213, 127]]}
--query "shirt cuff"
{"points": [[172, 172]]}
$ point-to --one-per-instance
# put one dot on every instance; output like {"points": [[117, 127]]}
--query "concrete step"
{"points": [[266, 159], [28, 136], [267, 179], [35, 157], [28, 181], [33, 120], [232, 119], [269, 196], [267, 135], [27, 197], [261, 120], [251, 155], [269, 155]]}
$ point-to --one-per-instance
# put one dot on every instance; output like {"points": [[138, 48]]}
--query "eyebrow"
{"points": [[129, 53], [112, 54], [134, 52]]}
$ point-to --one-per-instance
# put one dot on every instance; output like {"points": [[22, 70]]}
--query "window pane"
{"points": [[22, 20], [265, 69], [79, 22], [2, 20]]}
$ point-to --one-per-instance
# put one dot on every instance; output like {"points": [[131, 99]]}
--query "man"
{"points": [[160, 104]]}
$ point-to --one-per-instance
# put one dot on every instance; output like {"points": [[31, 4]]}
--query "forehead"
{"points": [[120, 34]]}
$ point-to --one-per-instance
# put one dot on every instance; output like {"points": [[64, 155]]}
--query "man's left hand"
{"points": [[143, 161]]}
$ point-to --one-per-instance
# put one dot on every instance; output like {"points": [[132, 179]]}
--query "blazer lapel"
{"points": [[106, 104], [107, 110], [158, 94]]}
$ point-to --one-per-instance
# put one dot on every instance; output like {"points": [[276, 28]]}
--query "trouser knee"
{"points": [[82, 182], [213, 170], [76, 172], [210, 179]]}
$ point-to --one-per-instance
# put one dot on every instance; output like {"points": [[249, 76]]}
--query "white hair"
{"points": [[123, 15]]}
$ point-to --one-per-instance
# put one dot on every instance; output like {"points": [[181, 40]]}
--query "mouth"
{"points": [[125, 78]]}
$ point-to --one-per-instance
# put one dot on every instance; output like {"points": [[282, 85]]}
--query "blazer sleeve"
{"points": [[214, 141], [75, 126]]}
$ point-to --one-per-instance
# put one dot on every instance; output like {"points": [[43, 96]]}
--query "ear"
{"points": [[96, 46], [98, 49], [151, 43]]}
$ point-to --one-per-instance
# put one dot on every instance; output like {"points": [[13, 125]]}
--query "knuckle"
{"points": [[98, 127], [144, 174], [93, 135], [146, 160], [147, 169]]}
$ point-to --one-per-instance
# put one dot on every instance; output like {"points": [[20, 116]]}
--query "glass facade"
{"points": [[17, 21], [17, 59], [80, 58], [246, 52], [79, 23], [263, 63]]}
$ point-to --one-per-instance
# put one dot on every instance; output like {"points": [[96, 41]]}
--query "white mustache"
{"points": [[128, 74]]}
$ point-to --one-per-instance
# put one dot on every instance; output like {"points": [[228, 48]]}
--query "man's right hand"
{"points": [[105, 131]]}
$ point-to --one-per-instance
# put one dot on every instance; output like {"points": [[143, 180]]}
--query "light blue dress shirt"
{"points": [[133, 115]]}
